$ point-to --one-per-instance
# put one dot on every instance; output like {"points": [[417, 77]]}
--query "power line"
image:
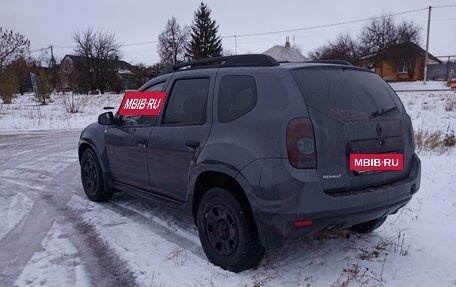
{"points": [[39, 50], [326, 25], [336, 24], [69, 47], [443, 6], [280, 31], [141, 43], [64, 47]]}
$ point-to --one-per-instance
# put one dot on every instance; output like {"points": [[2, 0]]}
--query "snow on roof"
{"points": [[285, 54], [125, 71]]}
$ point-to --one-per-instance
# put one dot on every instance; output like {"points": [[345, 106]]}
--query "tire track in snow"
{"points": [[57, 169]]}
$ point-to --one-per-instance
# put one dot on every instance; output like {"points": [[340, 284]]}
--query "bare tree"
{"points": [[100, 51], [376, 38], [172, 42], [344, 47], [407, 31], [12, 45], [380, 34], [143, 73]]}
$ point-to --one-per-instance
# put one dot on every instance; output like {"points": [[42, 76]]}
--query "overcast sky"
{"points": [[47, 22]]}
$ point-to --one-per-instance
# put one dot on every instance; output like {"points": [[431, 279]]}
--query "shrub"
{"points": [[74, 103], [44, 89], [8, 86], [449, 139]]}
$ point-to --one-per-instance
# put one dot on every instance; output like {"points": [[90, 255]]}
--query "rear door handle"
{"points": [[141, 142], [192, 143]]}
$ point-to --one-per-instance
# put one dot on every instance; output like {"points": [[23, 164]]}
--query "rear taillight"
{"points": [[301, 143]]}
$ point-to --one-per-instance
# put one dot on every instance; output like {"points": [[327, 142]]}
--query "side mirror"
{"points": [[106, 119]]}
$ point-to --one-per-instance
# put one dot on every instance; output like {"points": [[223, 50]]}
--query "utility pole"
{"points": [[235, 44], [52, 66], [52, 61], [427, 45], [52, 51]]}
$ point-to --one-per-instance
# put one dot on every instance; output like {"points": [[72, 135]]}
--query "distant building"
{"points": [[285, 54], [74, 73], [441, 72], [402, 62]]}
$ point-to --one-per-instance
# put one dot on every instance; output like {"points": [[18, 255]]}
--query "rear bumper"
{"points": [[294, 197]]}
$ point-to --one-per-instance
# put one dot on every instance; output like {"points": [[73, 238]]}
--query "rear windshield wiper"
{"points": [[383, 111]]}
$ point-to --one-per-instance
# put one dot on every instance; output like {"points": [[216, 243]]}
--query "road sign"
{"points": [[33, 79]]}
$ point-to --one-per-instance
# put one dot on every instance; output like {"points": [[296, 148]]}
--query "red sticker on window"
{"points": [[384, 161], [142, 103]]}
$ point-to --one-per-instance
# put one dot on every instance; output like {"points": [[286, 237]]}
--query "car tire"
{"points": [[228, 234], [92, 177], [369, 226]]}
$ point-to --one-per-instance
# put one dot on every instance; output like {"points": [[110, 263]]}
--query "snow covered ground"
{"points": [[432, 110], [427, 109], [419, 86], [414, 247], [51, 235], [25, 114]]}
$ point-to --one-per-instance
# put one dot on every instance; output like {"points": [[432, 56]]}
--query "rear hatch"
{"points": [[353, 111]]}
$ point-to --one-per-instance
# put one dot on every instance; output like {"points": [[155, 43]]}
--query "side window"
{"points": [[156, 88], [237, 96], [187, 102], [144, 120]]}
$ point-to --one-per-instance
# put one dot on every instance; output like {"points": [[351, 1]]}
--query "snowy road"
{"points": [[43, 242], [51, 235]]}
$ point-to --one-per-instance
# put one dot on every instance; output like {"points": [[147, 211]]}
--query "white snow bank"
{"points": [[430, 110], [419, 86], [25, 114], [426, 108]]}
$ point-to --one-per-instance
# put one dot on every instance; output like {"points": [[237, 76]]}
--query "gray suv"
{"points": [[258, 152]]}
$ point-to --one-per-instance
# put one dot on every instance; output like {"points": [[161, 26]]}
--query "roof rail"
{"points": [[249, 60], [337, 62]]}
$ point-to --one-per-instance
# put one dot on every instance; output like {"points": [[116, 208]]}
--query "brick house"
{"points": [[403, 62]]}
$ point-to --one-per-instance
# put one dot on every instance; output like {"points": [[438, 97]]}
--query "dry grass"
{"points": [[361, 276], [178, 255], [74, 103], [355, 274], [426, 140], [434, 141], [263, 278], [449, 140], [450, 104]]}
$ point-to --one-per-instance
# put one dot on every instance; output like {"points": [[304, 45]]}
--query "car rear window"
{"points": [[345, 93]]}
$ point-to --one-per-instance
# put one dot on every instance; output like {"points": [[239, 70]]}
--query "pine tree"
{"points": [[204, 40]]}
